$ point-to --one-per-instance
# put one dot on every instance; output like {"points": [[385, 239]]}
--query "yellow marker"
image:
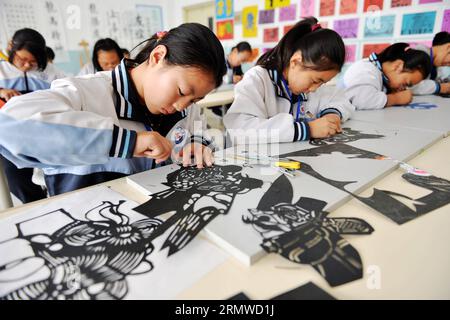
{"points": [[293, 165]]}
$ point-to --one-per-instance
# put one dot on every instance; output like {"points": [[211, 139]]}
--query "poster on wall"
{"points": [[347, 28], [373, 5], [224, 9], [266, 16], [350, 53], [418, 23], [374, 47], [400, 3], [249, 20], [270, 35], [379, 26], [288, 13], [446, 21], [272, 4], [307, 8], [225, 29], [327, 7], [348, 6]]}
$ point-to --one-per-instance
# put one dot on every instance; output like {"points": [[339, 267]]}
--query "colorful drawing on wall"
{"points": [[307, 8], [348, 6], [428, 1], [287, 28], [327, 7], [373, 5], [379, 26], [423, 43], [288, 13], [249, 19], [350, 53], [400, 3], [225, 29], [224, 9], [272, 4], [347, 28], [374, 47], [270, 35], [446, 21], [266, 16], [418, 23]]}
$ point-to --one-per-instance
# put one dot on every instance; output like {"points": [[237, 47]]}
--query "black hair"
{"points": [[322, 49], [413, 59], [441, 38], [32, 41], [106, 44], [242, 47], [50, 53], [125, 51], [189, 45]]}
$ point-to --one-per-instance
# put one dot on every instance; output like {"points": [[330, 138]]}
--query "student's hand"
{"points": [[336, 119], [325, 126], [399, 98], [152, 145], [7, 94], [445, 88], [236, 79], [202, 155]]}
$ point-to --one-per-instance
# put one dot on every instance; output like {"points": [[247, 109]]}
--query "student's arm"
{"points": [[7, 94], [426, 87], [363, 89], [248, 116], [48, 128], [399, 98], [330, 99]]}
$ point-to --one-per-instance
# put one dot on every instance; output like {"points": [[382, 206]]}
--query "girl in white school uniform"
{"points": [[383, 80], [22, 73], [90, 129], [283, 92]]}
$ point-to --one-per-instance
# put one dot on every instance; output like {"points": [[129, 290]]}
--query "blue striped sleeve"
{"points": [[301, 131], [123, 143], [330, 111]]}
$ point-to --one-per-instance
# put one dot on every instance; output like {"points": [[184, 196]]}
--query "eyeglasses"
{"points": [[21, 62]]}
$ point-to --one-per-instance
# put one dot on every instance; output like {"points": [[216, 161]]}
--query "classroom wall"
{"points": [[378, 23], [75, 20]]}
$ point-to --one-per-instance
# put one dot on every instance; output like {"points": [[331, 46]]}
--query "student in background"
{"points": [[383, 80], [51, 70], [23, 73], [437, 82], [239, 54], [91, 129], [105, 57], [284, 92], [126, 53]]}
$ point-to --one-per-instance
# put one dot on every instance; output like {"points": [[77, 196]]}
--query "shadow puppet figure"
{"points": [[195, 197], [302, 233], [84, 259]]}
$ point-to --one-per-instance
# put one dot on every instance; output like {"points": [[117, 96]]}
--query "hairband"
{"points": [[316, 26]]}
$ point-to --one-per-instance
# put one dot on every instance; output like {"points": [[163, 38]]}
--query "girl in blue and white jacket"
{"points": [[90, 129]]}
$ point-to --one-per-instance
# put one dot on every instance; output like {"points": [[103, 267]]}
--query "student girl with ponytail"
{"points": [[284, 90], [383, 80], [91, 129]]}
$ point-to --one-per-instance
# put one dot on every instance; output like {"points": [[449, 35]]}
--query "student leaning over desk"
{"points": [[90, 129]]}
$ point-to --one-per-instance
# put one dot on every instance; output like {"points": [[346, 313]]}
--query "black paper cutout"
{"points": [[384, 202], [302, 233], [347, 135], [239, 296], [186, 187], [307, 291], [99, 253], [352, 152]]}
